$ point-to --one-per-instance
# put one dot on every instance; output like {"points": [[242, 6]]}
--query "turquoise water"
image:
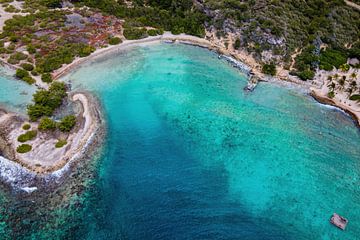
{"points": [[190, 155], [14, 94]]}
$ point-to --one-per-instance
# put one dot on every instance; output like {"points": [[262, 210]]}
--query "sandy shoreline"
{"points": [[312, 88], [22, 172]]}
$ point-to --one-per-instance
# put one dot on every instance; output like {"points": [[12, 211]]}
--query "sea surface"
{"points": [[190, 155]]}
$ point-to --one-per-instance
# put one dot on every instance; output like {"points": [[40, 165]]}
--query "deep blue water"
{"points": [[190, 155]]}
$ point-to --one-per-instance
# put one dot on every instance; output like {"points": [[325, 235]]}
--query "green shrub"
{"points": [[345, 67], [237, 43], [67, 123], [155, 32], [306, 75], [46, 101], [114, 41], [269, 69], [26, 126], [21, 73], [47, 124], [46, 77], [24, 148], [135, 33], [27, 66], [60, 143], [355, 97], [34, 73], [19, 56], [13, 61], [31, 49], [11, 9], [28, 80], [85, 51], [29, 135], [36, 111], [332, 58], [331, 94]]}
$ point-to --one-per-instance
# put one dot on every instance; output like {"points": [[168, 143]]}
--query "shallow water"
{"points": [[189, 155], [14, 94]]}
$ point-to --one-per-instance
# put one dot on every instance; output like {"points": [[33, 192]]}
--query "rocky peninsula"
{"points": [[47, 162]]}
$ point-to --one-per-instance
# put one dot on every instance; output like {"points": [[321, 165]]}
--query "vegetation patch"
{"points": [[47, 124], [27, 66], [46, 101], [26, 126], [355, 97], [67, 123], [331, 58], [46, 77], [24, 148], [135, 33], [29, 135], [114, 41], [24, 75], [60, 143], [155, 32], [269, 69]]}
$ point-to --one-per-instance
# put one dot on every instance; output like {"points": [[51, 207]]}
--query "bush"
{"points": [[29, 135], [27, 66], [269, 69], [306, 75], [237, 43], [67, 123], [26, 126], [12, 61], [331, 94], [24, 148], [114, 41], [21, 73], [85, 51], [28, 80], [36, 111], [19, 56], [31, 49], [135, 33], [355, 97], [46, 77], [46, 101], [47, 124], [34, 73], [60, 143], [332, 58], [155, 32]]}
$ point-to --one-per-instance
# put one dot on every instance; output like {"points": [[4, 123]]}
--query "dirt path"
{"points": [[351, 4]]}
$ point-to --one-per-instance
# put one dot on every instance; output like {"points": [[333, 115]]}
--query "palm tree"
{"points": [[331, 86], [353, 75]]}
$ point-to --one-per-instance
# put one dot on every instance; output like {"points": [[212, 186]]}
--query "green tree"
{"points": [[67, 123]]}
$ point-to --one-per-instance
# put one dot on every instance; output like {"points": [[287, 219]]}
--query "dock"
{"points": [[339, 221]]}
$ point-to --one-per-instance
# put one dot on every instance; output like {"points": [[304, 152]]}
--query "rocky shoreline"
{"points": [[21, 178], [328, 101]]}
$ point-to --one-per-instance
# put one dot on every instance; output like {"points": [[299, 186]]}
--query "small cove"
{"points": [[189, 155]]}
